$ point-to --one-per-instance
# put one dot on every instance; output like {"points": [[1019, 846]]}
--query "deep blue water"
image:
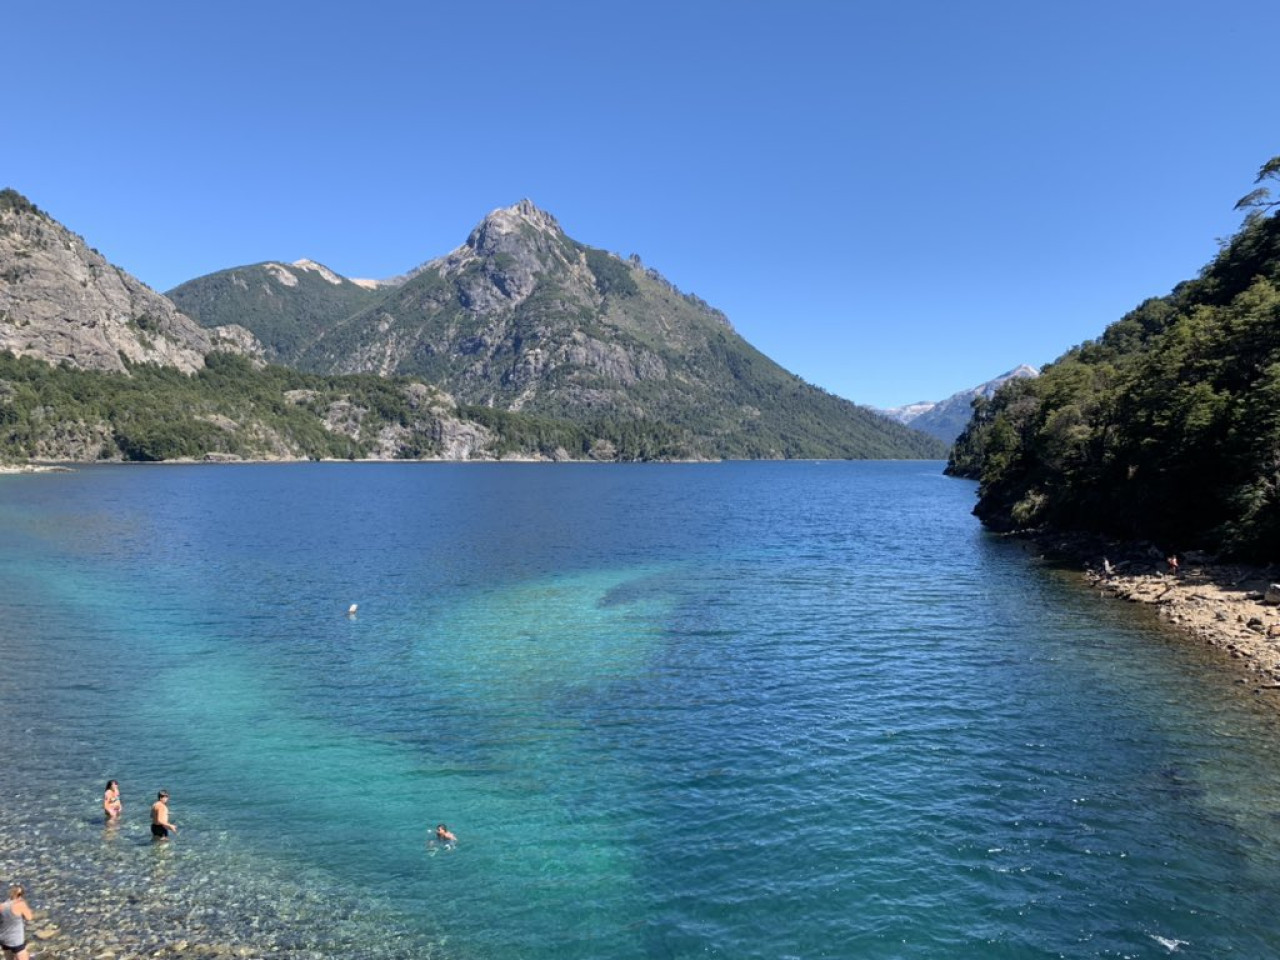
{"points": [[716, 710]]}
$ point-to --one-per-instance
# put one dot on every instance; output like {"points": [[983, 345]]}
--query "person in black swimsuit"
{"points": [[160, 825]]}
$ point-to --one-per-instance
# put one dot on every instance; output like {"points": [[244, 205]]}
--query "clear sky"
{"points": [[894, 199]]}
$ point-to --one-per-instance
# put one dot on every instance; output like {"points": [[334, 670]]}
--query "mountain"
{"points": [[947, 418], [62, 302], [285, 304], [1166, 428], [522, 318], [94, 365]]}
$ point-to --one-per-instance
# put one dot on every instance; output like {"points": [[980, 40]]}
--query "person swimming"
{"points": [[443, 835]]}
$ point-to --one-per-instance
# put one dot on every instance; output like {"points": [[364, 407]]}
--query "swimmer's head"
{"points": [[16, 892]]}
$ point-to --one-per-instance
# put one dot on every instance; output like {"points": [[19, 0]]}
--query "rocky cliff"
{"points": [[62, 302], [68, 317]]}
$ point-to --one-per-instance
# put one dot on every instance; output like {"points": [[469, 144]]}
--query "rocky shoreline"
{"points": [[33, 468], [109, 893], [1234, 608]]}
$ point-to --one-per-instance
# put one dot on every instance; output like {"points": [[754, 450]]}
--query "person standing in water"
{"points": [[111, 804], [160, 825], [15, 914]]}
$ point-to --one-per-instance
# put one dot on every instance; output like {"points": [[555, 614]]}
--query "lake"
{"points": [[738, 710]]}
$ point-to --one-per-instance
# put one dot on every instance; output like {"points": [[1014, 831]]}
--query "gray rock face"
{"points": [[505, 256], [61, 301], [453, 439], [523, 317]]}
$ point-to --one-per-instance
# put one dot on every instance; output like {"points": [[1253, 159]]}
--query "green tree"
{"points": [[1259, 199]]}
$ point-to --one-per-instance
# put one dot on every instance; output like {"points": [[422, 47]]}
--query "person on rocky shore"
{"points": [[15, 914], [161, 827], [111, 804]]}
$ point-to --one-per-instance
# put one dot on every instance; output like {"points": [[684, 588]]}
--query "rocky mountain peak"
{"points": [[506, 253], [1021, 371], [518, 225], [525, 212], [320, 268]]}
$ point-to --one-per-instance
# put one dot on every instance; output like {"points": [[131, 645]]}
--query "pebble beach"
{"points": [[107, 892], [1233, 608]]}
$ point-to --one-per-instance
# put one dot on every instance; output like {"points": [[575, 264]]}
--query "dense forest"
{"points": [[233, 409], [1166, 428]]}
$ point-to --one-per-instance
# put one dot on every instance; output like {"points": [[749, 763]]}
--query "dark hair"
{"points": [[110, 784], [162, 795]]}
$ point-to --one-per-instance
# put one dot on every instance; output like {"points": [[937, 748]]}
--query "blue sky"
{"points": [[894, 200]]}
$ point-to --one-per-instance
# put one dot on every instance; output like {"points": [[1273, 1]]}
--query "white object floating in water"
{"points": [[1169, 943], [351, 610]]}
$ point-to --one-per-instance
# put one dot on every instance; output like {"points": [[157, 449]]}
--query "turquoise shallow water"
{"points": [[717, 710]]}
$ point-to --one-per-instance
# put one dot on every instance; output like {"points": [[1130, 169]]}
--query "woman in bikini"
{"points": [[111, 804]]}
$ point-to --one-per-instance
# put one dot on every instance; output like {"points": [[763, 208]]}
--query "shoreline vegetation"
{"points": [[1166, 428], [1232, 607]]}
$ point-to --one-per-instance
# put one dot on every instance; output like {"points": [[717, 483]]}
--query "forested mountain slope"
{"points": [[286, 304], [1166, 428]]}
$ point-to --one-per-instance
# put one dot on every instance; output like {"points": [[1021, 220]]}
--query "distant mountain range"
{"points": [[520, 342], [523, 318], [946, 419]]}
